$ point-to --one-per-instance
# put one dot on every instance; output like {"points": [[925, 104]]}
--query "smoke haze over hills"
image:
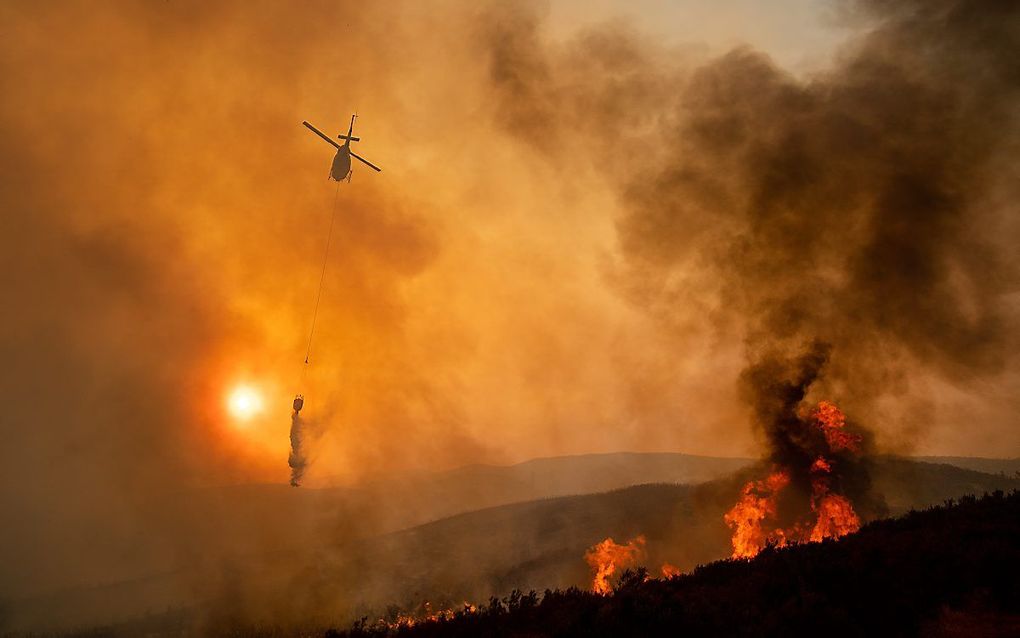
{"points": [[579, 241]]}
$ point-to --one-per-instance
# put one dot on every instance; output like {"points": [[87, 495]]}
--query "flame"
{"points": [[836, 517], [757, 504], [753, 517], [427, 615], [831, 420], [605, 557], [821, 465]]}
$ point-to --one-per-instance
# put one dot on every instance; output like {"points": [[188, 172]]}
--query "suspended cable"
{"points": [[322, 279], [340, 170]]}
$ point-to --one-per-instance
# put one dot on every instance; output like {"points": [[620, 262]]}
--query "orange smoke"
{"points": [[605, 557], [753, 517]]}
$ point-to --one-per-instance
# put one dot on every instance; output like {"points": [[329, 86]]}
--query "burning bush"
{"points": [[606, 557]]}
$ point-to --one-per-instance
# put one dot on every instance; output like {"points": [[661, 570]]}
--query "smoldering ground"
{"points": [[161, 238]]}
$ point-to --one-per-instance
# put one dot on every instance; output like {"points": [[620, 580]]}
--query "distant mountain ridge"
{"points": [[465, 532], [1008, 467], [261, 526]]}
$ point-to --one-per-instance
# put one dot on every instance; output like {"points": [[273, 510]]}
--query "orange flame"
{"points": [[669, 570], [820, 465], [834, 514], [605, 557], [831, 420], [836, 517], [427, 615], [757, 503]]}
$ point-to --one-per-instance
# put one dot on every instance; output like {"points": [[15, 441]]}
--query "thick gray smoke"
{"points": [[775, 386], [857, 208], [851, 206], [867, 206], [871, 207]]}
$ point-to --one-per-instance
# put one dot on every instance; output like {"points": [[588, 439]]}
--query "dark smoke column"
{"points": [[296, 460], [872, 207]]}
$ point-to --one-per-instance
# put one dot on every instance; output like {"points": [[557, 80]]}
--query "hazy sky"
{"points": [[175, 213], [569, 249], [800, 35]]}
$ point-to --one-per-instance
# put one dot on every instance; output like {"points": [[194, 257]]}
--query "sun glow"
{"points": [[244, 402]]}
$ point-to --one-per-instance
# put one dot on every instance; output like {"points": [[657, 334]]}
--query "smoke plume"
{"points": [[580, 242], [866, 205], [859, 207], [796, 434]]}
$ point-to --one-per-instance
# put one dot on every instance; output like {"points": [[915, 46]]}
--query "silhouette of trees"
{"points": [[929, 571]]}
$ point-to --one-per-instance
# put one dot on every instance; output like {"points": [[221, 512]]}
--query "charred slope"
{"points": [[933, 572], [541, 544]]}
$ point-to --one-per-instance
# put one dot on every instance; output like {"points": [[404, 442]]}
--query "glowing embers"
{"points": [[606, 557], [426, 615], [755, 518]]}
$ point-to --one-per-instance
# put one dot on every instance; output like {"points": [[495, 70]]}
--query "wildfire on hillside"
{"points": [[606, 557], [426, 614], [756, 520], [818, 479]]}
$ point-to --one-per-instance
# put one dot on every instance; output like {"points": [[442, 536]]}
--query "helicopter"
{"points": [[341, 168]]}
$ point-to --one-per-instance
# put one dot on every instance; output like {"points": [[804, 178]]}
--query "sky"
{"points": [[801, 35], [591, 218]]}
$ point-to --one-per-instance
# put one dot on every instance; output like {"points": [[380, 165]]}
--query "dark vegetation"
{"points": [[541, 544], [468, 557], [942, 571]]}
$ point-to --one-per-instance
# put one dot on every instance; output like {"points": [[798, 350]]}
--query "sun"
{"points": [[244, 402]]}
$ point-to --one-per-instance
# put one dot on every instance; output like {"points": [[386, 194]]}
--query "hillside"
{"points": [[320, 546], [248, 519], [323, 515], [1009, 467], [420, 497], [946, 571], [541, 544], [267, 531]]}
